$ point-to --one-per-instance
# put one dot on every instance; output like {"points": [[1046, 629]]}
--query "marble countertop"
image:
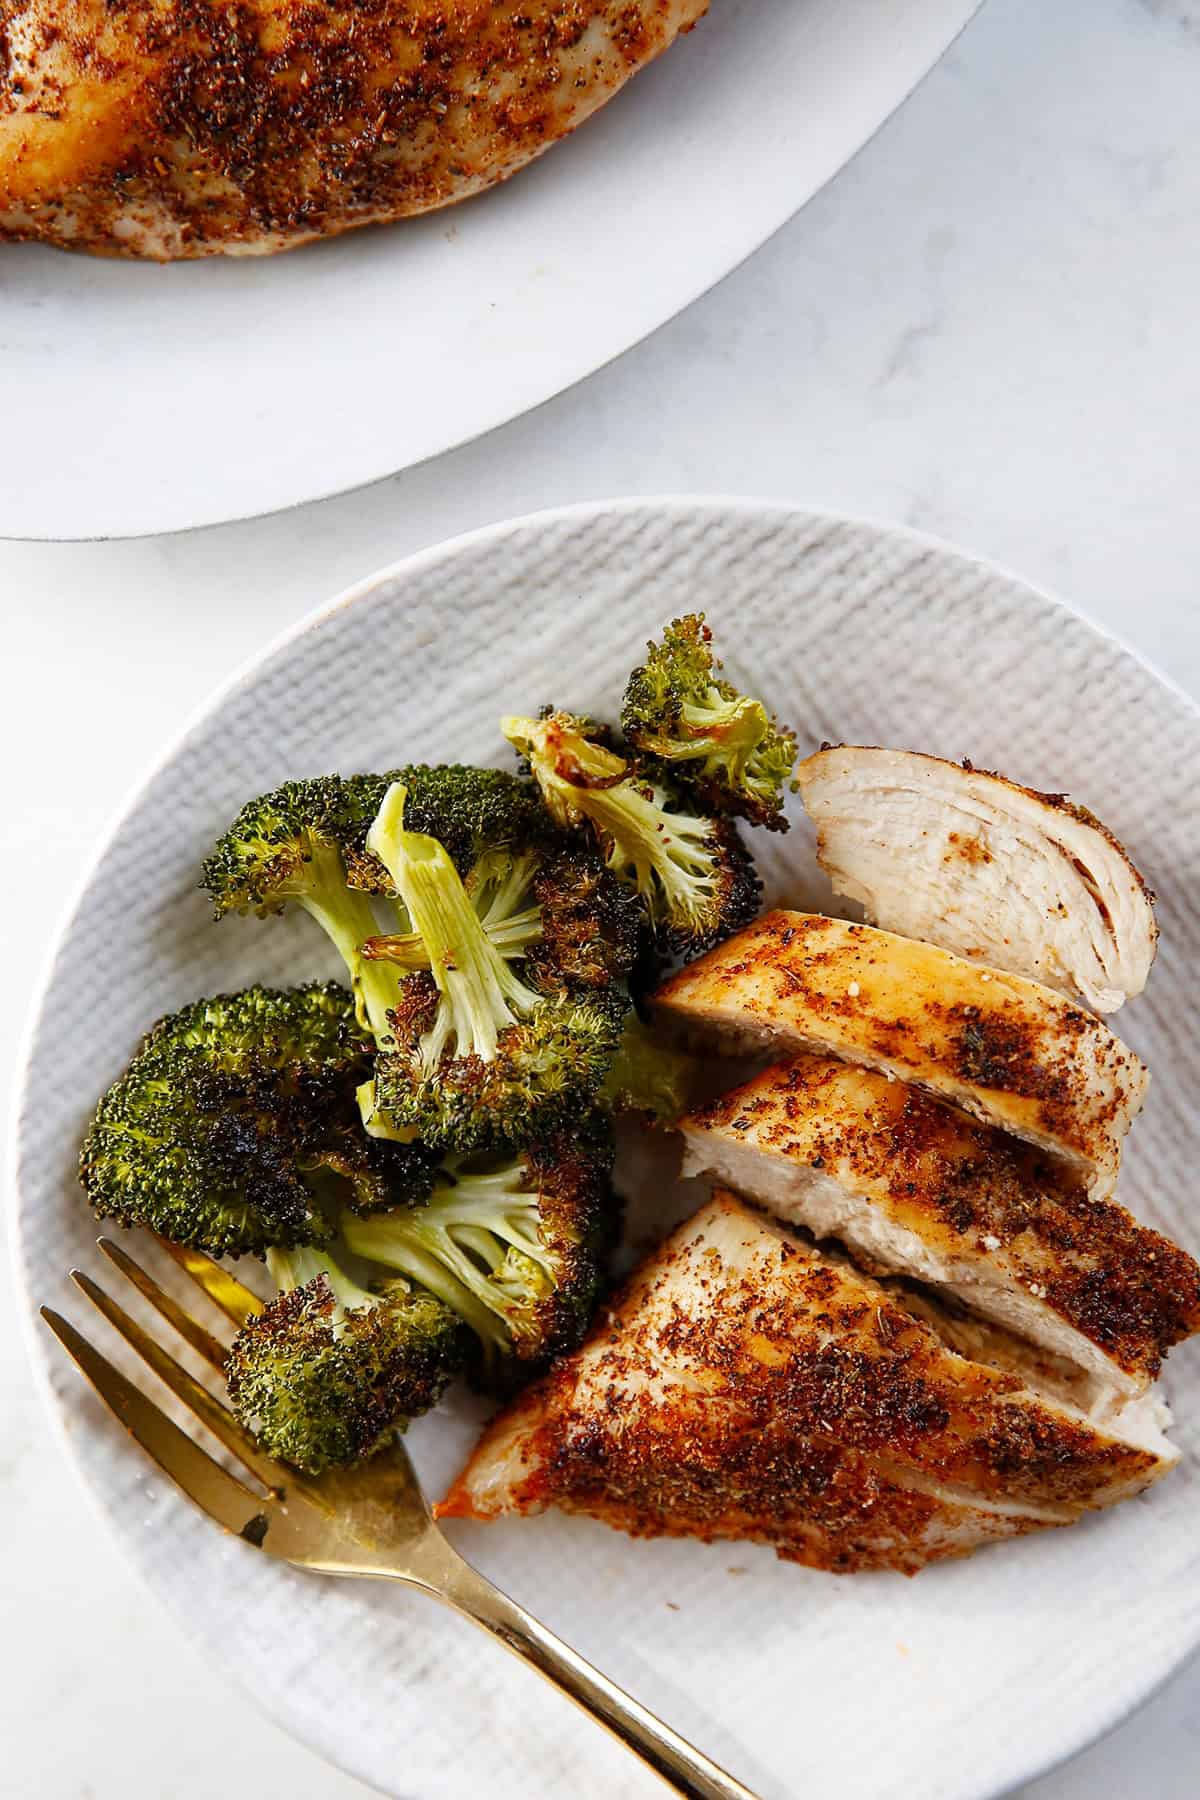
{"points": [[985, 328]]}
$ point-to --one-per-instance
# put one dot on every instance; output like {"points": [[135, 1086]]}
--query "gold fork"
{"points": [[372, 1522]]}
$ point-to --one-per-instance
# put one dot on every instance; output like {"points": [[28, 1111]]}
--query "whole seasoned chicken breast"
{"points": [[916, 1188], [746, 1386], [1023, 881], [180, 128], [1009, 1051]]}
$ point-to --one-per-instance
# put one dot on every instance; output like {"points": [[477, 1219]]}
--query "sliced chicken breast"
{"points": [[1009, 1051], [916, 1188], [1004, 875], [747, 1386], [163, 129]]}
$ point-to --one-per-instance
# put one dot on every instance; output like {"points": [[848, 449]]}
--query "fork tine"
{"points": [[207, 1408], [221, 1495], [225, 1291], [190, 1330]]}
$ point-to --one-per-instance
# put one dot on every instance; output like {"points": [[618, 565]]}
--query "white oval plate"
{"points": [[142, 399], [951, 1686]]}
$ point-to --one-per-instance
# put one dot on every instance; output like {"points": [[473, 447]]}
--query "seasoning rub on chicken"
{"points": [[916, 1188], [747, 1386], [178, 128], [1000, 873], [1009, 1051]]}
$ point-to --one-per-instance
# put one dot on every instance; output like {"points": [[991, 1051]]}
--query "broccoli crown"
{"points": [[693, 873], [725, 748], [299, 845], [328, 1372], [305, 844], [544, 1069], [237, 1119], [468, 810], [266, 856], [481, 1055], [516, 1244], [592, 923], [555, 908]]}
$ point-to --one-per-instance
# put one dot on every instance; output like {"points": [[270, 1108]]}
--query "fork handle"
{"points": [[682, 1767]]}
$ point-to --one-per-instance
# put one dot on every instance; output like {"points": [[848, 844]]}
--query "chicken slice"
{"points": [[1011, 1052], [747, 1386], [914, 1187], [163, 129], [1024, 881]]}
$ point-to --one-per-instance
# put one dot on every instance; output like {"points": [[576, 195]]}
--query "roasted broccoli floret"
{"points": [[305, 845], [481, 1055], [468, 810], [236, 1124], [554, 906], [592, 923], [515, 1244], [693, 873], [299, 846], [328, 1371], [685, 720], [650, 1077]]}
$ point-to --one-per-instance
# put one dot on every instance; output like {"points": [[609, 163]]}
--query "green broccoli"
{"points": [[295, 846], [684, 720], [515, 1244], [593, 925], [501, 887], [236, 1125], [305, 845], [557, 908], [481, 1056], [651, 1078], [693, 873], [329, 1371]]}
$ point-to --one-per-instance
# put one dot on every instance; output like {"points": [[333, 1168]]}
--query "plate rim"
{"points": [[37, 1342], [966, 11]]}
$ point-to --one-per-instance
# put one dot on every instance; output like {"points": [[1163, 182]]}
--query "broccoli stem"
{"points": [[296, 1268], [348, 920], [497, 885], [480, 993], [376, 1122], [511, 933], [514, 936], [423, 1250], [720, 731]]}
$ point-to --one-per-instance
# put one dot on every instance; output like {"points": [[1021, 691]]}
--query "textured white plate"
{"points": [[951, 1686], [141, 399]]}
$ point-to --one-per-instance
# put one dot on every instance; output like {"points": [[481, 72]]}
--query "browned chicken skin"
{"points": [[1013, 1053], [181, 128], [919, 1189], [746, 1386]]}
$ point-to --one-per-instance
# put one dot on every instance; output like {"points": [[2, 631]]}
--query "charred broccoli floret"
{"points": [[693, 873], [685, 720], [328, 1371], [553, 905], [236, 1123], [514, 1244], [592, 924], [299, 846], [305, 845], [481, 1055]]}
